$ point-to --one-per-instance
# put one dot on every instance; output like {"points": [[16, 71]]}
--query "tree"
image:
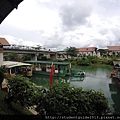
{"points": [[102, 51], [65, 100], [21, 91], [44, 48], [2, 75], [26, 57], [12, 56], [38, 47], [72, 51]]}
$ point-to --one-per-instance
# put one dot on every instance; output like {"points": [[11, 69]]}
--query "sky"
{"points": [[58, 24]]}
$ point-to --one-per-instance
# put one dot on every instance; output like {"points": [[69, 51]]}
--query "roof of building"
{"points": [[114, 48], [47, 62], [4, 42], [6, 6], [88, 49], [10, 64]]}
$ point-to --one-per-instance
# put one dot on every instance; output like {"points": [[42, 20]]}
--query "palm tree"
{"points": [[38, 47], [44, 48]]}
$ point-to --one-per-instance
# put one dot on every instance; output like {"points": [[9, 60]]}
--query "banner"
{"points": [[51, 75]]}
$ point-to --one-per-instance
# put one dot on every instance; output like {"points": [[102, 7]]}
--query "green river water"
{"points": [[96, 78]]}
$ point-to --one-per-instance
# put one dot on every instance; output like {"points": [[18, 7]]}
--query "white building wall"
{"points": [[1, 59]]}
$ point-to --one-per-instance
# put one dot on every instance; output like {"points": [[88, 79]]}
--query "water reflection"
{"points": [[41, 80], [73, 79], [97, 78]]}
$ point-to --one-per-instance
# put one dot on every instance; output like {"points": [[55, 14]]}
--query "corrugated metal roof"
{"points": [[88, 49], [114, 48], [4, 42], [47, 62]]}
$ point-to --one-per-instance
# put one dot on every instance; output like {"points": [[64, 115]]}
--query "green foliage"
{"points": [[43, 58], [65, 100], [2, 75], [57, 60], [102, 51], [21, 91], [26, 57], [60, 99], [72, 51], [84, 62], [39, 47], [12, 56], [93, 59], [11, 109]]}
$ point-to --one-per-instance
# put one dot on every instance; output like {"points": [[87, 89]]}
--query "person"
{"points": [[56, 70]]}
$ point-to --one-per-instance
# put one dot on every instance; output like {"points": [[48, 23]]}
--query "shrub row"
{"points": [[58, 99]]}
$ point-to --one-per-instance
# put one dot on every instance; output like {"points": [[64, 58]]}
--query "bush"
{"points": [[60, 99], [2, 75], [65, 100], [83, 62], [21, 91]]}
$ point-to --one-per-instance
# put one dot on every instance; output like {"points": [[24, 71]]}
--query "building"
{"points": [[88, 51], [114, 50], [3, 42]]}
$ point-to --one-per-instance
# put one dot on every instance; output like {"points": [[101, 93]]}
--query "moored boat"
{"points": [[77, 73], [13, 68], [115, 73], [61, 69]]}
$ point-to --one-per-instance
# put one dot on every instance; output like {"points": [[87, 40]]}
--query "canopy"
{"points": [[48, 62], [11, 64]]}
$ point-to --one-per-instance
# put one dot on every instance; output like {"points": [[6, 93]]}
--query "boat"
{"points": [[115, 73], [61, 69], [77, 73], [13, 68]]}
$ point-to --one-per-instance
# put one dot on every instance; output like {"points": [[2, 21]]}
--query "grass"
{"points": [[11, 109]]}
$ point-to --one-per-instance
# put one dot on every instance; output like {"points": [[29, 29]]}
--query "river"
{"points": [[96, 78]]}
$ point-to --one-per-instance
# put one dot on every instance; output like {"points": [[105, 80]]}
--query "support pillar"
{"points": [[34, 57], [1, 55]]}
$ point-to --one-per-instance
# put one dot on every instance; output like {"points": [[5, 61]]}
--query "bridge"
{"points": [[29, 50], [6, 7], [33, 51]]}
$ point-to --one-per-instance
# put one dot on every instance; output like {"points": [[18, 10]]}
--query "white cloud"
{"points": [[57, 24], [33, 17], [17, 41], [44, 0]]}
